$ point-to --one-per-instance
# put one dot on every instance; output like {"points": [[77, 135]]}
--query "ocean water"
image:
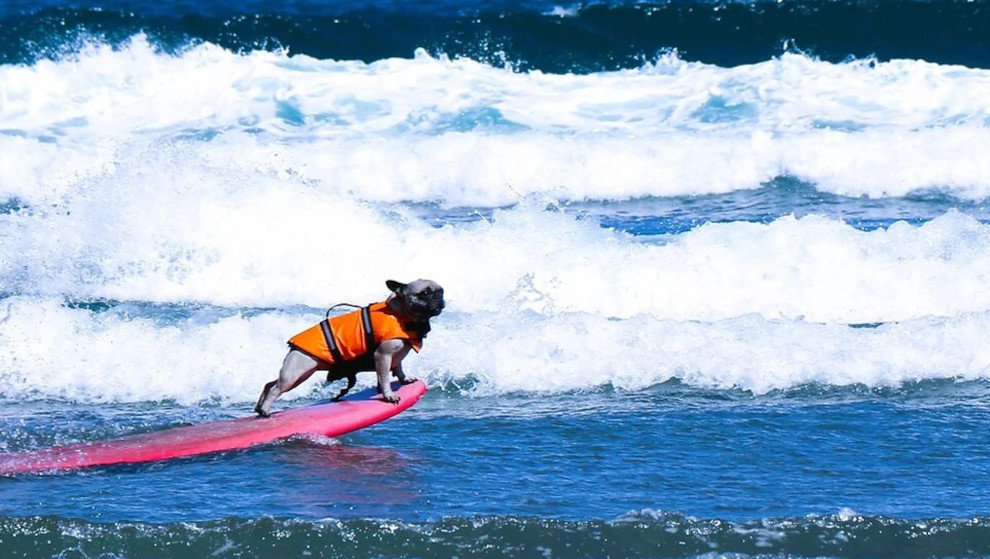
{"points": [[717, 273]]}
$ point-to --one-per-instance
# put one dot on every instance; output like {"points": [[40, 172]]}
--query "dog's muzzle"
{"points": [[436, 308], [430, 305]]}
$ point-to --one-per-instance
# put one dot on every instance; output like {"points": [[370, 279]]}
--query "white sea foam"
{"points": [[255, 180], [189, 234], [50, 351], [103, 91], [463, 132]]}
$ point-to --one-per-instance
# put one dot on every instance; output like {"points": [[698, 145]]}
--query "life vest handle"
{"points": [[341, 305], [369, 332]]}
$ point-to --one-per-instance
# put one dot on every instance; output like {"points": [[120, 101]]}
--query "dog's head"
{"points": [[418, 300]]}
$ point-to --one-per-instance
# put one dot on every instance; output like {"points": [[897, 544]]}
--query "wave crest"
{"points": [[116, 357], [466, 133]]}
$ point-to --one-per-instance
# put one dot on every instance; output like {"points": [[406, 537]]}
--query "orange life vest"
{"points": [[354, 335]]}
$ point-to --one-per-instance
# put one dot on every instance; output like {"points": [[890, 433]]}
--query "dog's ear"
{"points": [[396, 286]]}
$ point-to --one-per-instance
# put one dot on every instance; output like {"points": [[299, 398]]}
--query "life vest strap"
{"points": [[331, 344], [369, 333]]}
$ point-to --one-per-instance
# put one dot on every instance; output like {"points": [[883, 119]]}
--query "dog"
{"points": [[375, 338]]}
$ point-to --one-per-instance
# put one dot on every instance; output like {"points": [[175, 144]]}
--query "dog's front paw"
{"points": [[408, 380], [390, 398]]}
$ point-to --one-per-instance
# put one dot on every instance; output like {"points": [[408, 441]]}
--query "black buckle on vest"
{"points": [[331, 344], [369, 333]]}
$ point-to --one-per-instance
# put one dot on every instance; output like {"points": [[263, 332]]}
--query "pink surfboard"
{"points": [[329, 419]]}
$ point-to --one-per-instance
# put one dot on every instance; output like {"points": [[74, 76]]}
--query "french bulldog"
{"points": [[413, 304]]}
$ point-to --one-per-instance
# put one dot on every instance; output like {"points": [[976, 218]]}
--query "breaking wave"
{"points": [[467, 133]]}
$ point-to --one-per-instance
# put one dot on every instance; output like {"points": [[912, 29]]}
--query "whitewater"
{"points": [[434, 129], [191, 196]]}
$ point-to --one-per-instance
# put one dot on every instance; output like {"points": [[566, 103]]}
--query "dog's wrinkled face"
{"points": [[421, 299]]}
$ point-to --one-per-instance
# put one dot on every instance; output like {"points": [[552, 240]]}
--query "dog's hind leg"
{"points": [[296, 368], [351, 381]]}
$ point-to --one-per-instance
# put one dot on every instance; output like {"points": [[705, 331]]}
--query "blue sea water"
{"points": [[716, 273]]}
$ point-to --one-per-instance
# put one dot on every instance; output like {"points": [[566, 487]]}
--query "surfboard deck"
{"points": [[329, 419]]}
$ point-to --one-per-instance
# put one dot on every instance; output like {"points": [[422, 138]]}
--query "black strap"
{"points": [[331, 344], [341, 305], [369, 333]]}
